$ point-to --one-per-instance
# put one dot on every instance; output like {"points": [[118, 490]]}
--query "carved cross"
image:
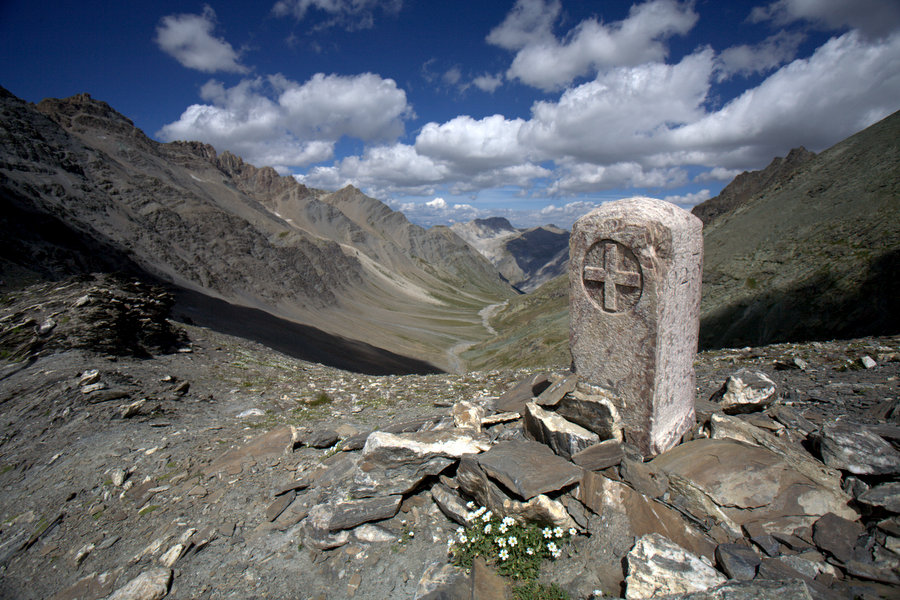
{"points": [[611, 276]]}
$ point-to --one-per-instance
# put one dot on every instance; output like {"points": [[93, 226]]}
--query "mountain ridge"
{"points": [[526, 257], [213, 224]]}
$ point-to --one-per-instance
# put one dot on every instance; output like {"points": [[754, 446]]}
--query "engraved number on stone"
{"points": [[612, 276]]}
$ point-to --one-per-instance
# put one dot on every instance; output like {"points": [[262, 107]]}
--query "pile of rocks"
{"points": [[104, 313], [739, 506]]}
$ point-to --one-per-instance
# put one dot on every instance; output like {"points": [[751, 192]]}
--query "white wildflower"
{"points": [[511, 540], [509, 521], [504, 554], [487, 528], [501, 542], [573, 531], [487, 516], [529, 551], [548, 533], [558, 532], [470, 505], [503, 528]]}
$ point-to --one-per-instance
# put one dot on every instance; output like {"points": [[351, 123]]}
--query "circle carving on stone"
{"points": [[612, 276]]}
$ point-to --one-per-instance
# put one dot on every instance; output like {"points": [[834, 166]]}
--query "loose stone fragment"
{"points": [[754, 590], [350, 513], [528, 468], [837, 536], [658, 567], [745, 391], [556, 392], [514, 399], [564, 437], [644, 515], [634, 277], [117, 477], [594, 409], [149, 585], [857, 450], [607, 453], [89, 377], [467, 416], [540, 509], [450, 503], [735, 483], [886, 495], [868, 362], [171, 556], [737, 561], [277, 507]]}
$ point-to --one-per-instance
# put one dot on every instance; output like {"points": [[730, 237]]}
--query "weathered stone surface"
{"points": [[277, 507], [317, 531], [886, 496], [792, 419], [350, 513], [395, 478], [745, 391], [486, 584], [450, 503], [514, 399], [528, 468], [467, 416], [322, 438], [372, 534], [553, 394], [837, 536], [658, 567], [855, 449], [728, 427], [752, 590], [645, 515], [396, 463], [607, 453], [91, 586], [564, 437], [650, 482], [737, 561], [268, 445], [735, 483], [594, 409], [386, 448], [443, 582], [541, 509], [152, 584], [634, 281]]}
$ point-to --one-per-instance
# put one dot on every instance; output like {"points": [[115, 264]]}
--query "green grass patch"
{"points": [[148, 509]]}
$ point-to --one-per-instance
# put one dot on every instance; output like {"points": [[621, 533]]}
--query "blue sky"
{"points": [[536, 110]]}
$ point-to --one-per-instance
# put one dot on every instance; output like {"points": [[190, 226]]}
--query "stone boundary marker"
{"points": [[634, 300]]}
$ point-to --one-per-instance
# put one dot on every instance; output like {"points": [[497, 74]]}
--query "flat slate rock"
{"points": [[886, 496], [851, 447], [351, 513], [837, 536], [607, 453], [528, 468], [514, 399], [737, 561]]}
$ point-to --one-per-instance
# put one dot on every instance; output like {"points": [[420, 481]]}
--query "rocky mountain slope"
{"points": [[109, 198], [749, 184], [193, 464], [804, 249], [813, 255], [527, 258]]}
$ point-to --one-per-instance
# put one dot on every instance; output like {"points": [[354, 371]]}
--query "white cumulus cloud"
{"points": [[189, 39], [544, 62], [283, 123], [746, 59]]}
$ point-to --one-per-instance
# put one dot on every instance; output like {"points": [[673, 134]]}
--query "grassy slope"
{"points": [[532, 331]]}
